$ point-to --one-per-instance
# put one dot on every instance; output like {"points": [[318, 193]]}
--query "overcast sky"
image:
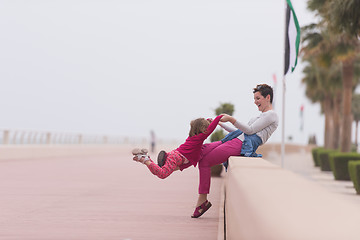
{"points": [[127, 67]]}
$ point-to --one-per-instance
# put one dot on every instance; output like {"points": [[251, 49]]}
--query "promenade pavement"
{"points": [[101, 196], [104, 195]]}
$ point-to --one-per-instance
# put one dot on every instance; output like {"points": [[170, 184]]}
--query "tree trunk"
{"points": [[356, 134], [348, 73], [329, 126], [337, 120]]}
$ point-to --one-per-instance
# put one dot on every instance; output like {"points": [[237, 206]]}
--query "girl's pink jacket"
{"points": [[191, 148]]}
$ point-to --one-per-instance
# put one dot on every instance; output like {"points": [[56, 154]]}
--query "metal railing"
{"points": [[23, 137], [46, 137]]}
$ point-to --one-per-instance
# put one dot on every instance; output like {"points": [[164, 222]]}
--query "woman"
{"points": [[255, 133]]}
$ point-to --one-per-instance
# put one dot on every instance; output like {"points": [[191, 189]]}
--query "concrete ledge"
{"points": [[264, 201]]}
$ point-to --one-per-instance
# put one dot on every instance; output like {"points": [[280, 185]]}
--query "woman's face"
{"points": [[261, 102]]}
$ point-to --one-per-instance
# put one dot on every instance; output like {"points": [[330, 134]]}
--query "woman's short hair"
{"points": [[197, 126], [265, 90]]}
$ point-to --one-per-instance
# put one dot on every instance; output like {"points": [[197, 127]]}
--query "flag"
{"points": [[302, 117], [274, 78], [292, 38], [274, 89]]}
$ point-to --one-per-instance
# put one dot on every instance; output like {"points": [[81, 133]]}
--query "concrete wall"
{"points": [[266, 202]]}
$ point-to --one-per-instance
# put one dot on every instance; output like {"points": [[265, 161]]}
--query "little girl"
{"points": [[185, 155]]}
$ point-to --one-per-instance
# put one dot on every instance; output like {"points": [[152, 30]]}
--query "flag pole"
{"points": [[283, 102], [283, 124], [292, 41]]}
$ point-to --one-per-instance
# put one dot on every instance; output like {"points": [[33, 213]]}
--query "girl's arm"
{"points": [[212, 126], [161, 172]]}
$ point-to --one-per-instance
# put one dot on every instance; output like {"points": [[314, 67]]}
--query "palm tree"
{"points": [[347, 59], [345, 16], [322, 79], [355, 108], [316, 93], [346, 50], [320, 88]]}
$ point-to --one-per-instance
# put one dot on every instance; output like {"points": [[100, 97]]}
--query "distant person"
{"points": [[152, 141]]}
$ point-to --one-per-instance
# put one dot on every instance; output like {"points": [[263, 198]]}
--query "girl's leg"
{"points": [[173, 161], [202, 198], [205, 150], [218, 155]]}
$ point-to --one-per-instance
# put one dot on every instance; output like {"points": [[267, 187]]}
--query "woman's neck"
{"points": [[268, 108]]}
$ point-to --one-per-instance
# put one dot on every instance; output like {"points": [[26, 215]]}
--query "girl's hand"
{"points": [[225, 117]]}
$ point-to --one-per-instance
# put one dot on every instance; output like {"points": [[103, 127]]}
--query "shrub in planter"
{"points": [[323, 158], [354, 171], [314, 152], [339, 164], [216, 170]]}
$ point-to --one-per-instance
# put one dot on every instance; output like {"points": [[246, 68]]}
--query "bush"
{"points": [[323, 158], [354, 171], [339, 164], [217, 135], [314, 152]]}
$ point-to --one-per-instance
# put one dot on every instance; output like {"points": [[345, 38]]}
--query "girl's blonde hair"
{"points": [[198, 126]]}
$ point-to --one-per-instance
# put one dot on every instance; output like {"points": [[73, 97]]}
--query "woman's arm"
{"points": [[227, 127], [258, 125]]}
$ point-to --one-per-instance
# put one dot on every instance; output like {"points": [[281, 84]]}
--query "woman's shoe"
{"points": [[161, 159], [200, 210]]}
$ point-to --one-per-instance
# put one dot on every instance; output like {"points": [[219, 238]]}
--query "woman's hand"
{"points": [[227, 118]]}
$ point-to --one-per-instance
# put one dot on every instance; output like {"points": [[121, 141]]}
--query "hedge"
{"points": [[339, 164], [314, 152], [323, 158], [354, 171]]}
